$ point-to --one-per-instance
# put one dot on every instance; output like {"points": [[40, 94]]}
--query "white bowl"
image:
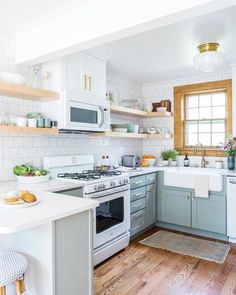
{"points": [[151, 162], [11, 77], [32, 179], [161, 109]]}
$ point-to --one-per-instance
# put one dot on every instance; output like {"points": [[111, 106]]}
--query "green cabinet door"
{"points": [[151, 200], [209, 213], [175, 207]]}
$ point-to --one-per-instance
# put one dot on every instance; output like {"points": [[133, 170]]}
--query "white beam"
{"points": [[103, 21]]}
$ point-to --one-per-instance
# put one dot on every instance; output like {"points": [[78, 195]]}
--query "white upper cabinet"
{"points": [[86, 75], [80, 75]]}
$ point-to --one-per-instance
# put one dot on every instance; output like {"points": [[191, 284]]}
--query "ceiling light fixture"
{"points": [[209, 59]]}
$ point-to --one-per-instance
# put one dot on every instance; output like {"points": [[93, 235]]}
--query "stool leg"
{"points": [[20, 287], [3, 290]]}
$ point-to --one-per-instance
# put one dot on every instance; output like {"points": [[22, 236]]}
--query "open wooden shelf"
{"points": [[26, 92], [115, 109], [118, 134], [131, 135], [29, 130], [159, 136]]}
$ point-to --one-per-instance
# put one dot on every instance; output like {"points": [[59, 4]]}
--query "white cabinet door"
{"points": [[76, 68], [96, 78]]}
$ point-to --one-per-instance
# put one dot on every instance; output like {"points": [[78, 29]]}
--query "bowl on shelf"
{"points": [[11, 77], [161, 109], [119, 127]]}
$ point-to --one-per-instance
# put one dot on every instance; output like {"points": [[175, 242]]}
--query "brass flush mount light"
{"points": [[209, 58]]}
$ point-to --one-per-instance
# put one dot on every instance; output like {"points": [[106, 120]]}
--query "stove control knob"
{"points": [[100, 187], [96, 188], [112, 183], [103, 186], [126, 181], [120, 182]]}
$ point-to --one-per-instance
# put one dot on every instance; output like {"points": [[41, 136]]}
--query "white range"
{"points": [[111, 219]]}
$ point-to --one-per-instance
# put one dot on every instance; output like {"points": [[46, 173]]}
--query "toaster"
{"points": [[130, 161]]}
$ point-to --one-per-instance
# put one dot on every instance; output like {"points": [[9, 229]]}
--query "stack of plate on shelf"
{"points": [[119, 127]]}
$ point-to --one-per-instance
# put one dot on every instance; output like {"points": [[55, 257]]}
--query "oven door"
{"points": [[111, 217], [87, 117]]}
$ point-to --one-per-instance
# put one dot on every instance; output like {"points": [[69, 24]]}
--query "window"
{"points": [[203, 114], [204, 120]]}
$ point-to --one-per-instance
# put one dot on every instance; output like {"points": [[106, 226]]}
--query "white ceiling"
{"points": [[167, 53], [16, 15]]}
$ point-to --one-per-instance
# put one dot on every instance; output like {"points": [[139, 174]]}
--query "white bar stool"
{"points": [[12, 268]]}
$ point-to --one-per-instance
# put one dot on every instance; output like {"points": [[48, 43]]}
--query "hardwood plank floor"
{"points": [[143, 270]]}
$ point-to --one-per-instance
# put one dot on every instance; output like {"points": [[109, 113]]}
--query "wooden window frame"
{"points": [[180, 92]]}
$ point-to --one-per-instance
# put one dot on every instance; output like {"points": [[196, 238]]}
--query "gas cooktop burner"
{"points": [[87, 175]]}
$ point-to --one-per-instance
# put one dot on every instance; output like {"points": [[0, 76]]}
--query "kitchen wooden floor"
{"points": [[142, 270]]}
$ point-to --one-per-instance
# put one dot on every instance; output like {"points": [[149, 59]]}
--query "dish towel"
{"points": [[201, 186]]}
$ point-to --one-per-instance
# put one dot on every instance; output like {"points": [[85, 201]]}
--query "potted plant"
{"points": [[165, 155], [173, 156], [230, 149]]}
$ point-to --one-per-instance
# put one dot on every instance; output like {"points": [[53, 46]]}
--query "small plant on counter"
{"points": [[166, 155], [173, 155]]}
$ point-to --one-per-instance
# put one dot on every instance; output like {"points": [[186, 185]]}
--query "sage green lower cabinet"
{"points": [[209, 213], [179, 207], [143, 202], [151, 201], [137, 221], [175, 207]]}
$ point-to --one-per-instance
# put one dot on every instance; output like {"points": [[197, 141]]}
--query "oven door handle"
{"points": [[103, 194]]}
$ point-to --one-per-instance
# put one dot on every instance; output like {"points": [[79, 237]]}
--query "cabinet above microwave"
{"points": [[79, 73]]}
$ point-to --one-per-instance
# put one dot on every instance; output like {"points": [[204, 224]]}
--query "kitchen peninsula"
{"points": [[56, 237]]}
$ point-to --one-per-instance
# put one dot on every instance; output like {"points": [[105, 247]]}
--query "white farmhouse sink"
{"points": [[184, 177]]}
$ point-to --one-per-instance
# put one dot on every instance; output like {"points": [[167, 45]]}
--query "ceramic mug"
{"points": [[21, 122], [131, 128], [136, 128], [32, 123], [47, 123], [40, 122]]}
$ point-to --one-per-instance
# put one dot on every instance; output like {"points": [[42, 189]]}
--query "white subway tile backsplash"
{"points": [[16, 150]]}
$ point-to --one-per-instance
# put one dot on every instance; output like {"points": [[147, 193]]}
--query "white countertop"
{"points": [[52, 185], [52, 206], [146, 170]]}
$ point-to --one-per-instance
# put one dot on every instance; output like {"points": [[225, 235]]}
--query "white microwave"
{"points": [[86, 117]]}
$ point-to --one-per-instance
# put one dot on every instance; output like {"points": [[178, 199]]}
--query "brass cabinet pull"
{"points": [[84, 82], [89, 83]]}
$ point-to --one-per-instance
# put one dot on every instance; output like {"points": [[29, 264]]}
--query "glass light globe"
{"points": [[208, 61]]}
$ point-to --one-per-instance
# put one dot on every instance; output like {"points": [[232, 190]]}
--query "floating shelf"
{"points": [[119, 134], [27, 92], [131, 135], [28, 130], [159, 136], [115, 109]]}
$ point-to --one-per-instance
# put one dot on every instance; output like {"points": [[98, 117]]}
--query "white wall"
{"points": [[20, 149], [157, 91]]}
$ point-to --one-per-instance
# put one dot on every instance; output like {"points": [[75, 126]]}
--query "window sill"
{"points": [[208, 152]]}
